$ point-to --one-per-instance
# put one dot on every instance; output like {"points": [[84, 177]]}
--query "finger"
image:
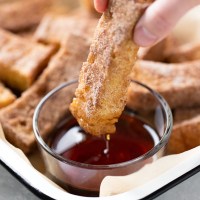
{"points": [[159, 19], [100, 5]]}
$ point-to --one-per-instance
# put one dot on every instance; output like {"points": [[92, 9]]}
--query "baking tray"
{"points": [[184, 167], [32, 177], [155, 194]]}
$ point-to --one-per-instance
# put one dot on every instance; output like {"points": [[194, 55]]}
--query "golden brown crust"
{"points": [[21, 60], [16, 119], [6, 96], [52, 28], [185, 136], [103, 81], [174, 81], [184, 53]]}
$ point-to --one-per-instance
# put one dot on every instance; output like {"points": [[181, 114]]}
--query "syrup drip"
{"points": [[107, 139]]}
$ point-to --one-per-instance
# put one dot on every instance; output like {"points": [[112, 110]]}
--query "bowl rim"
{"points": [[162, 142]]}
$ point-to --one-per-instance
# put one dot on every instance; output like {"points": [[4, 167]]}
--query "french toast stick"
{"points": [[185, 135], [19, 15], [181, 114], [186, 129], [16, 119], [177, 83], [104, 77], [53, 28], [158, 52], [184, 53], [21, 60]]}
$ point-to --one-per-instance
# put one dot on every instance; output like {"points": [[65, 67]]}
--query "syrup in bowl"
{"points": [[132, 139]]}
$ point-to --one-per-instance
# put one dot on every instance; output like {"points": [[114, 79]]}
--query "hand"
{"points": [[158, 19]]}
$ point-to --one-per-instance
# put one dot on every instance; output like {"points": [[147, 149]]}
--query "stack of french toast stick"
{"points": [[41, 48], [172, 68], [35, 57]]}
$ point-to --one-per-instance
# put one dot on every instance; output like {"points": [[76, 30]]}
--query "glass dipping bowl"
{"points": [[85, 179]]}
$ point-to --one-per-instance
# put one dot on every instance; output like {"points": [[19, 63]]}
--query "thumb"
{"points": [[159, 19]]}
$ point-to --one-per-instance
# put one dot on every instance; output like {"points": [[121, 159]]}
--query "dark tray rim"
{"points": [[155, 194]]}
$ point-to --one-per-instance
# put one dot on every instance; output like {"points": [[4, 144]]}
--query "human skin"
{"points": [[158, 19]]}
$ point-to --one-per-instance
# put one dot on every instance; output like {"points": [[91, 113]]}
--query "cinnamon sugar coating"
{"points": [[16, 119], [102, 92]]}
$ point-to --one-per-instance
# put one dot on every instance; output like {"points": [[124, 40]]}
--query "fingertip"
{"points": [[100, 5], [158, 20], [143, 37]]}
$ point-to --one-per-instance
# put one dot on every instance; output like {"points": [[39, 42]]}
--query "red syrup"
{"points": [[132, 138]]}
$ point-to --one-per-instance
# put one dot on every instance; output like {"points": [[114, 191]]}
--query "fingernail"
{"points": [[143, 37]]}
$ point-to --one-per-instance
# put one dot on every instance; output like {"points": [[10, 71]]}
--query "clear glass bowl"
{"points": [[85, 179]]}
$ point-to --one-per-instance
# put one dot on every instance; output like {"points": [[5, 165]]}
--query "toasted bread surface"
{"points": [[174, 82], [6, 96], [19, 15], [16, 119], [53, 28], [21, 60], [104, 78]]}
